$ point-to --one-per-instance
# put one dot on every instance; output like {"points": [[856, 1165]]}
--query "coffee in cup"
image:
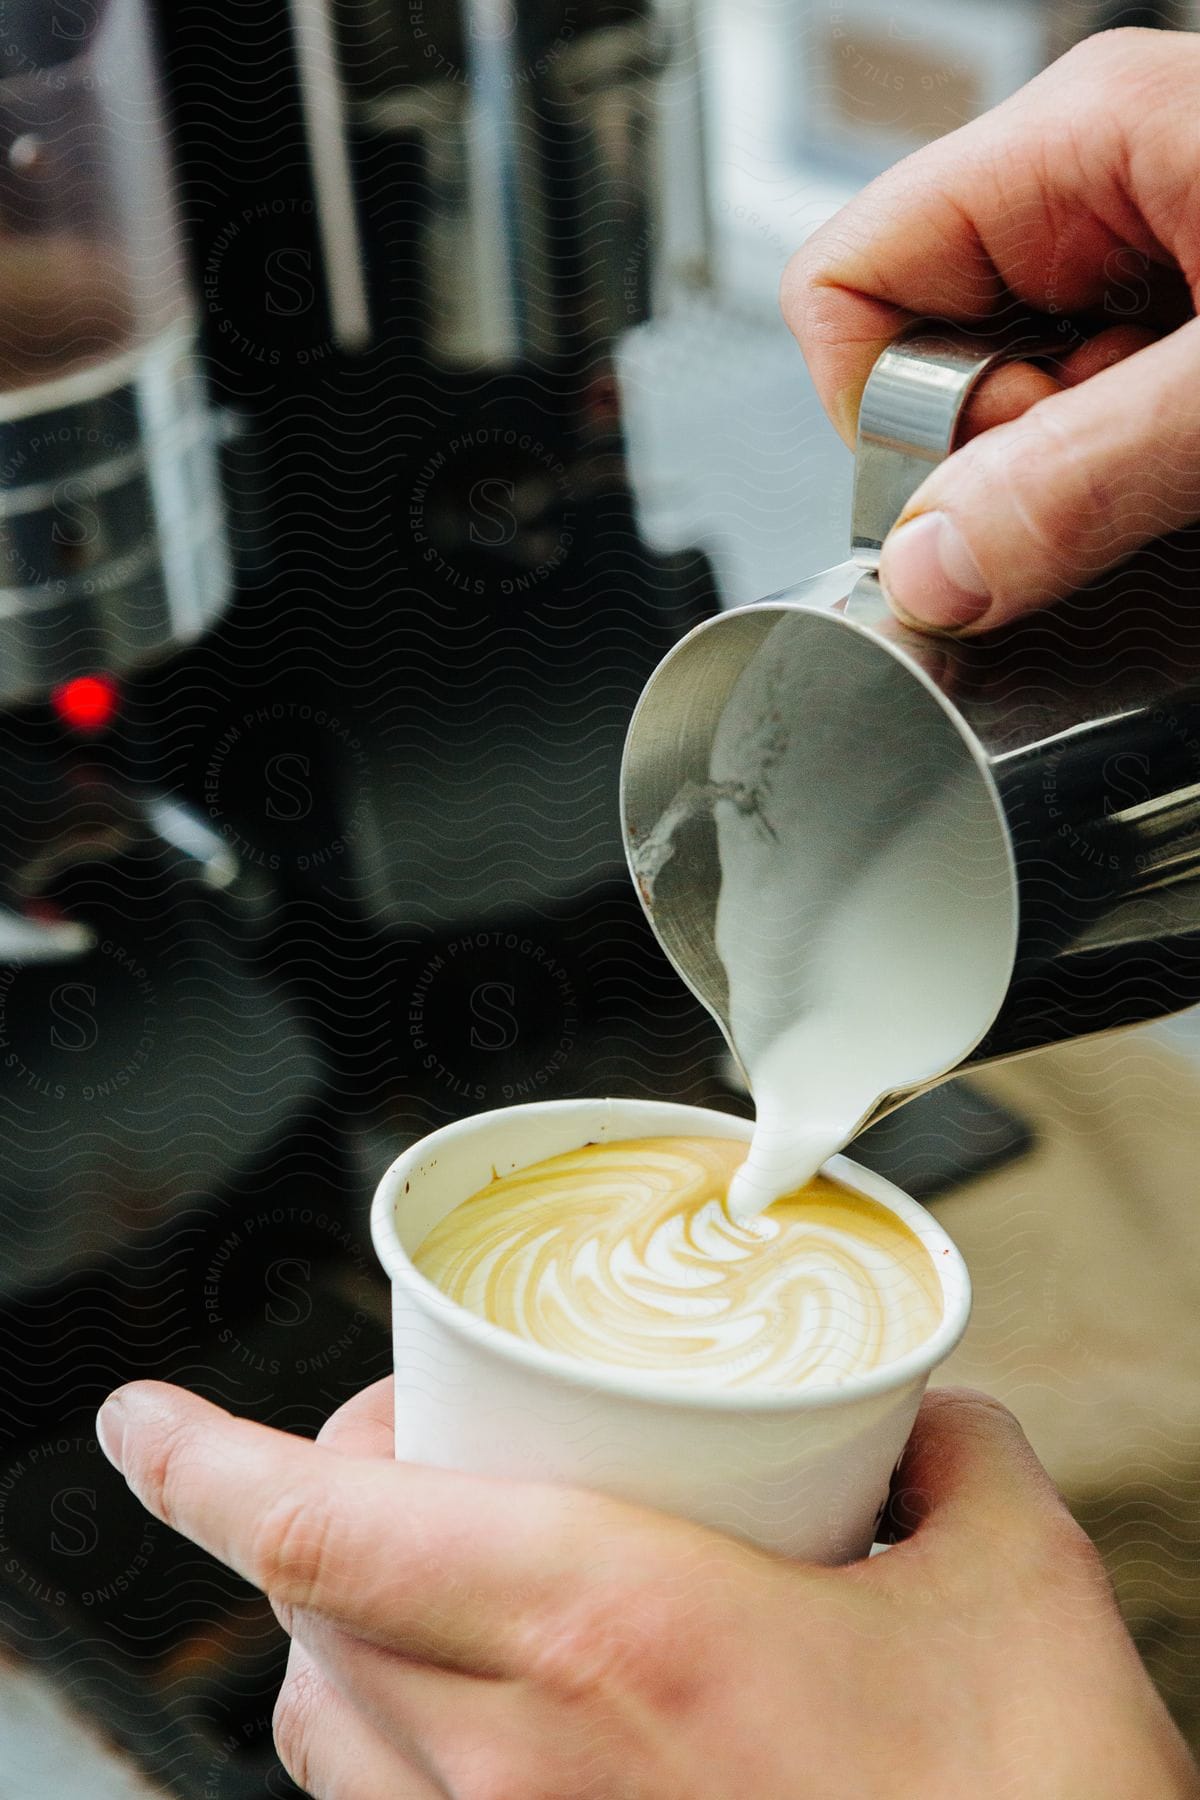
{"points": [[624, 1254]]}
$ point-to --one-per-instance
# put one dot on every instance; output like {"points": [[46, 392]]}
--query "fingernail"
{"points": [[930, 575], [110, 1430]]}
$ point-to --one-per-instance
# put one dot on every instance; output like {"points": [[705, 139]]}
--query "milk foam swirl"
{"points": [[624, 1254]]}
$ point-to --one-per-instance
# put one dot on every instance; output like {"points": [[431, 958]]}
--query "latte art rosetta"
{"points": [[624, 1254]]}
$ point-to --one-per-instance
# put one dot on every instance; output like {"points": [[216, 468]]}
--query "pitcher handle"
{"points": [[911, 406]]}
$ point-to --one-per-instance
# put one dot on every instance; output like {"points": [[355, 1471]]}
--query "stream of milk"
{"points": [[865, 917]]}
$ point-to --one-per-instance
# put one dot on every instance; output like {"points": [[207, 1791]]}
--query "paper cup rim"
{"points": [[578, 1372]]}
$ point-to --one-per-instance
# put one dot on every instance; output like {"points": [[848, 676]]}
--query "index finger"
{"points": [[1069, 190], [441, 1567]]}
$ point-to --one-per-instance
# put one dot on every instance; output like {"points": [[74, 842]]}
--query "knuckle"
{"points": [[293, 1724], [1117, 70], [795, 290], [812, 287], [811, 298], [994, 1431], [1067, 1547], [1051, 1565], [285, 1613], [970, 1404], [573, 1653], [792, 281], [620, 1642], [289, 1549], [1105, 52]]}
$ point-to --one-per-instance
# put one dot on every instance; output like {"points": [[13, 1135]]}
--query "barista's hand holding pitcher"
{"points": [[1078, 195], [491, 1640]]}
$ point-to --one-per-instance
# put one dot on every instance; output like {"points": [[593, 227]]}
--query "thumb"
{"points": [[1035, 508], [968, 1467]]}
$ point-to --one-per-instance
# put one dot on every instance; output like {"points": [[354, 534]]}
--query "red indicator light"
{"points": [[87, 704]]}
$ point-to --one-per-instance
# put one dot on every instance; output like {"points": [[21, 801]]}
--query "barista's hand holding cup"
{"points": [[572, 1302]]}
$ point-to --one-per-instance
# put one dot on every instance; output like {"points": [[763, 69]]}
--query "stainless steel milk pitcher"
{"points": [[1073, 737]]}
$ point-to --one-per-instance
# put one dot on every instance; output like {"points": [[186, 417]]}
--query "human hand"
{"points": [[1080, 194], [500, 1640]]}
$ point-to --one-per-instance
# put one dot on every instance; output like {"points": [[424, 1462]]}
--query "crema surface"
{"points": [[625, 1254]]}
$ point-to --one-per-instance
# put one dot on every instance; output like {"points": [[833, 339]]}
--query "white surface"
{"points": [[47, 1751], [803, 1472], [730, 451], [729, 448], [1180, 1033]]}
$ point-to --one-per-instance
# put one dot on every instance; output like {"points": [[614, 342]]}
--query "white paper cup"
{"points": [[802, 1471]]}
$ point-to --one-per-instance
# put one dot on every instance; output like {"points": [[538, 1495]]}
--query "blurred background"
{"points": [[385, 385]]}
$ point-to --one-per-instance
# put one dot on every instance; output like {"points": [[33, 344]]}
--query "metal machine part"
{"points": [[627, 100], [112, 541], [112, 549], [561, 158], [62, 814], [483, 246], [324, 105], [1082, 724]]}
